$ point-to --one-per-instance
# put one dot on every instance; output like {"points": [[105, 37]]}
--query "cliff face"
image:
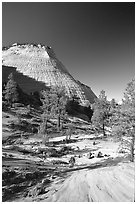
{"points": [[40, 63], [88, 92]]}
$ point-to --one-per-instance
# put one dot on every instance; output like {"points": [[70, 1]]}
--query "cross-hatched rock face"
{"points": [[40, 63]]}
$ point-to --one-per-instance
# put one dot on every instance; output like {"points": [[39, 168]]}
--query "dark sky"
{"points": [[95, 41]]}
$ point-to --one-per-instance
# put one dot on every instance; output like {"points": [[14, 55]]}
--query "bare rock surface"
{"points": [[35, 172], [100, 179], [40, 63], [109, 184], [113, 183]]}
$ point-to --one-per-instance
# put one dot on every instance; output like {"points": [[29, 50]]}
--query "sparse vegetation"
{"points": [[74, 108], [124, 120], [59, 99], [47, 103], [11, 93], [101, 110], [54, 106], [32, 159]]}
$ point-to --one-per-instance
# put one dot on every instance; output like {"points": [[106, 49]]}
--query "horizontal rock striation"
{"points": [[39, 62]]}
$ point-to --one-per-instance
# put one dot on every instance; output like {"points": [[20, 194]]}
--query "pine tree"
{"points": [[128, 113], [101, 110], [11, 93], [54, 105], [47, 103], [59, 104], [125, 120], [114, 112], [113, 103]]}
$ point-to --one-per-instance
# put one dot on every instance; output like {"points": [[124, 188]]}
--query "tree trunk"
{"points": [[58, 123], [104, 130]]}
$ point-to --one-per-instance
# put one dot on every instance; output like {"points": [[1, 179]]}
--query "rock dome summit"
{"points": [[39, 64]]}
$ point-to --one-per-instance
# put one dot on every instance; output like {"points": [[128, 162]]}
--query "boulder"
{"points": [[99, 155], [72, 161], [90, 155]]}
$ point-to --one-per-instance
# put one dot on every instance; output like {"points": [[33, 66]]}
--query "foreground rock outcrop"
{"points": [[39, 62], [109, 184]]}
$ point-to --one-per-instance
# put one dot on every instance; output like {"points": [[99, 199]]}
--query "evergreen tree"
{"points": [[101, 110], [113, 104], [114, 112], [47, 104], [59, 100], [54, 105], [125, 120], [11, 93]]}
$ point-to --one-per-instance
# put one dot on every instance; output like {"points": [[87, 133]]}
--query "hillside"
{"points": [[37, 171], [52, 151], [37, 67]]}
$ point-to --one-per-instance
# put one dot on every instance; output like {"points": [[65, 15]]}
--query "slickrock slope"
{"points": [[109, 184], [40, 63]]}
